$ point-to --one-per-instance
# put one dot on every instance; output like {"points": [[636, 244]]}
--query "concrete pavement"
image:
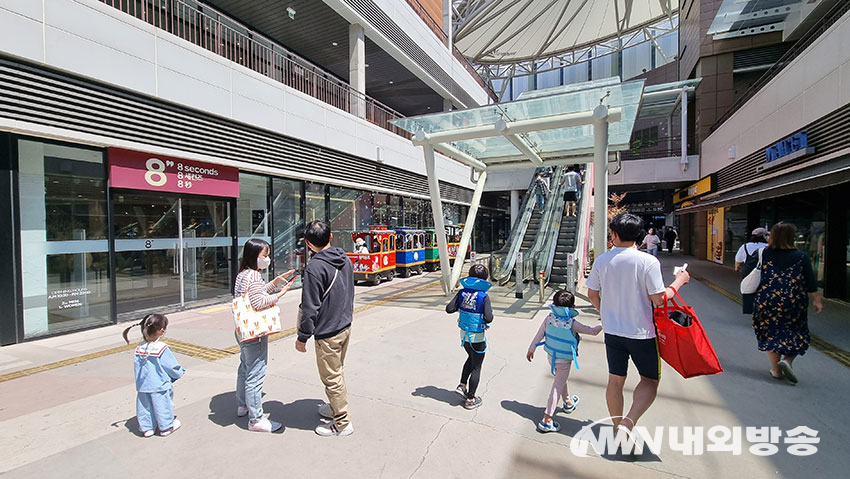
{"points": [[403, 365]]}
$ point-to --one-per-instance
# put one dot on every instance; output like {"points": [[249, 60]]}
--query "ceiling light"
{"points": [[391, 82], [291, 12], [334, 43]]}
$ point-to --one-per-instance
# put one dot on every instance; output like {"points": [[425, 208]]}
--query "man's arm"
{"points": [[311, 292], [595, 298], [681, 279]]}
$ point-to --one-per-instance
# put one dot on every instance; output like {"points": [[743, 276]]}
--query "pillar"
{"points": [[467, 230], [600, 180], [514, 207], [447, 104], [357, 69], [437, 212]]}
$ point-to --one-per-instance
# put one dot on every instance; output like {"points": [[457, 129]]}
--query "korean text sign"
{"points": [[146, 171]]}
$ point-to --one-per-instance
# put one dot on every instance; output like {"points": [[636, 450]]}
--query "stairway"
{"points": [[566, 243], [531, 231]]}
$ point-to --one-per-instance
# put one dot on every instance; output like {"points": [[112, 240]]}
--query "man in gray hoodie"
{"points": [[327, 305]]}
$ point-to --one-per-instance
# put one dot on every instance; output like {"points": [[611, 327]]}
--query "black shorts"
{"points": [[570, 196], [644, 354]]}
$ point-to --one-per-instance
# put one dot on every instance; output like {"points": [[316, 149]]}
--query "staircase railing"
{"points": [[502, 261]]}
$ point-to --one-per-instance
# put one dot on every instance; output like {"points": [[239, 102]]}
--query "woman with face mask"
{"points": [[254, 353]]}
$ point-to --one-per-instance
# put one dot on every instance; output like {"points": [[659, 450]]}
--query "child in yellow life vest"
{"points": [[561, 344]]}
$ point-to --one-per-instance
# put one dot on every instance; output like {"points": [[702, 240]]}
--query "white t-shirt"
{"points": [[625, 277], [651, 241], [741, 255], [571, 179]]}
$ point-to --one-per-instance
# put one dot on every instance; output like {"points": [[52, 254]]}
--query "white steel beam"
{"points": [[437, 211], [524, 147], [600, 180], [448, 149], [467, 231]]}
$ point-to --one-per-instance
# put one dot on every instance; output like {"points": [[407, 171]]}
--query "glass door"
{"points": [[170, 250]]}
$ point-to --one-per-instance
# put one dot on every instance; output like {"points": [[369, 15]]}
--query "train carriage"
{"points": [[380, 262], [432, 252], [410, 251]]}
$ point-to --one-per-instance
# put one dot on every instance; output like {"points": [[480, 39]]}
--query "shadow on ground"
{"points": [[452, 398], [299, 414]]}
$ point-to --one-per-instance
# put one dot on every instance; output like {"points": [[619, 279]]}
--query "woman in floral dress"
{"points": [[782, 301]]}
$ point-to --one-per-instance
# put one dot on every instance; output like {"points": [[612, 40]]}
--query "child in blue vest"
{"points": [[156, 368], [475, 316], [559, 329]]}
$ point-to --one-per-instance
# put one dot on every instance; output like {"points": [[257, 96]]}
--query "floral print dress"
{"points": [[780, 318]]}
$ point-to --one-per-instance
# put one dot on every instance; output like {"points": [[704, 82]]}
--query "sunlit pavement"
{"points": [[402, 367]]}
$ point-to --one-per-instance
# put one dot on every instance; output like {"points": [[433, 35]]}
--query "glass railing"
{"points": [[502, 261], [537, 257]]}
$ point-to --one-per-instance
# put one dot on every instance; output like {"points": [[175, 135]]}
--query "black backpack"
{"points": [[751, 262]]}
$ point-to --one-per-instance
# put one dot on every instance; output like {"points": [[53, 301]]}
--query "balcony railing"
{"points": [[653, 148], [224, 36]]}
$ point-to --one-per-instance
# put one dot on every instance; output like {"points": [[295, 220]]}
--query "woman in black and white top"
{"points": [[747, 258]]}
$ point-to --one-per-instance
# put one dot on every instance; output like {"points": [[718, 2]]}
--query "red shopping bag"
{"points": [[682, 341]]}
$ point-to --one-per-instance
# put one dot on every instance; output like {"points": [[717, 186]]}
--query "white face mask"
{"points": [[263, 262]]}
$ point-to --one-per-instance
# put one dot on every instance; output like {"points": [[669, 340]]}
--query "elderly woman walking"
{"points": [[782, 301]]}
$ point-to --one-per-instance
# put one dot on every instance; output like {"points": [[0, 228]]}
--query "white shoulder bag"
{"points": [[751, 282]]}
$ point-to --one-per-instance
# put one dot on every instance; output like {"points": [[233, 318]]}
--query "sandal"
{"points": [[776, 376], [571, 408]]}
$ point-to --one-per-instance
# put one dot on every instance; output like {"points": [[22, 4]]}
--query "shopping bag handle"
{"points": [[681, 304]]}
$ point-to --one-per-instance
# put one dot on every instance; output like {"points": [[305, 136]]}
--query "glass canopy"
{"points": [[752, 16], [660, 101], [540, 104]]}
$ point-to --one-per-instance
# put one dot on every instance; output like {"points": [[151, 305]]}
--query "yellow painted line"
{"points": [[831, 350], [189, 349], [215, 309]]}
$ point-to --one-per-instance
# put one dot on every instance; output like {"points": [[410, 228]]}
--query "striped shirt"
{"points": [[259, 292]]}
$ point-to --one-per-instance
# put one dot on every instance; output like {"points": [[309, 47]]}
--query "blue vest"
{"points": [[560, 342], [471, 299]]}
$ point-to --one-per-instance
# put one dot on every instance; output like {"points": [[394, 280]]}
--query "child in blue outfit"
{"points": [[156, 368], [561, 344], [475, 316]]}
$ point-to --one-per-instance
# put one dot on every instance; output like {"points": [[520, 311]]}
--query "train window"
{"points": [[420, 241], [385, 245], [399, 239], [408, 242], [428, 241], [376, 246]]}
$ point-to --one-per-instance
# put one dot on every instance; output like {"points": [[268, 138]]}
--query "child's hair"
{"points": [[479, 271], [564, 299], [150, 326]]}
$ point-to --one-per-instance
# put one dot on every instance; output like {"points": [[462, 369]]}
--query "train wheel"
{"points": [[390, 275], [376, 280], [404, 273]]}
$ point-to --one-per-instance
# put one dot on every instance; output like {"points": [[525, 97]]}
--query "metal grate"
{"points": [[47, 97]]}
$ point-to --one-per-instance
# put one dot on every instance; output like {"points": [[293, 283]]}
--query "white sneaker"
{"points": [[326, 411], [147, 433], [264, 425], [330, 429], [174, 426], [241, 411]]}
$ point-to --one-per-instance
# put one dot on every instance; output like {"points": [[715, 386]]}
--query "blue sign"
{"points": [[792, 144]]}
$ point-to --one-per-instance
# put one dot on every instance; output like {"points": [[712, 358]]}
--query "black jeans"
{"points": [[472, 367]]}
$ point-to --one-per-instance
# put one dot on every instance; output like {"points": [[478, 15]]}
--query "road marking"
{"points": [[831, 350], [215, 309]]}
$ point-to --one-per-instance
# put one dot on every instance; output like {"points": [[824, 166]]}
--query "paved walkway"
{"points": [[78, 420]]}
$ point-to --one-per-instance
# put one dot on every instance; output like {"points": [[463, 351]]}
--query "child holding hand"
{"points": [[561, 344]]}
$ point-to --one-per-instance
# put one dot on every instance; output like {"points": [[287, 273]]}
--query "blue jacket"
{"points": [[156, 367]]}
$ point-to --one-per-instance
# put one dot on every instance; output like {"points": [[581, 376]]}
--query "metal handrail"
{"points": [[818, 29], [582, 233], [503, 260], [210, 29], [535, 259]]}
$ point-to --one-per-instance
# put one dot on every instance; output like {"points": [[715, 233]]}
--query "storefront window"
{"points": [[736, 232], [414, 212], [351, 210], [253, 207], [288, 228], [65, 261], [394, 219], [314, 204], [807, 211]]}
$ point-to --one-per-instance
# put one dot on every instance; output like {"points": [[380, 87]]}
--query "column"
{"points": [[600, 180], [357, 69], [439, 222], [684, 160], [447, 105], [514, 207]]}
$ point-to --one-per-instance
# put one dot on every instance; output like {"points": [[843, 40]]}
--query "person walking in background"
{"points": [[746, 259], [780, 317], [156, 369], [572, 179], [327, 307], [651, 241], [254, 353], [476, 314], [541, 187], [670, 239], [623, 286], [560, 330]]}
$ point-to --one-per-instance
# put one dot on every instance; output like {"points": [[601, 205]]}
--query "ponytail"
{"points": [[149, 326]]}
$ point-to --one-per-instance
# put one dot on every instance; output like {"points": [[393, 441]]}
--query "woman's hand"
{"points": [[529, 355], [282, 277], [284, 289]]}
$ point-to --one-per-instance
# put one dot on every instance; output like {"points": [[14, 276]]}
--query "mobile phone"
{"points": [[680, 269]]}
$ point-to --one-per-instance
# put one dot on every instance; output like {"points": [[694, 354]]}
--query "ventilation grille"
{"points": [[377, 18], [827, 135], [46, 97], [759, 57]]}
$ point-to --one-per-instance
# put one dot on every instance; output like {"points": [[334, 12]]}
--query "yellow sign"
{"points": [[699, 188], [715, 225]]}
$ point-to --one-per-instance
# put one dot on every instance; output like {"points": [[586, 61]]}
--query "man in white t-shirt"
{"points": [[623, 285]]}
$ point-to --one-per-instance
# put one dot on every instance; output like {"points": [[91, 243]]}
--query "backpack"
{"points": [[561, 343], [751, 262]]}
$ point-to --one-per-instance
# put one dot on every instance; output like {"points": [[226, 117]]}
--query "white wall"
{"points": [[91, 39], [409, 21], [655, 170], [816, 83]]}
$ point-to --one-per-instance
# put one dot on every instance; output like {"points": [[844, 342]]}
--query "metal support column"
{"points": [[467, 230], [437, 211], [684, 160], [600, 180], [180, 251]]}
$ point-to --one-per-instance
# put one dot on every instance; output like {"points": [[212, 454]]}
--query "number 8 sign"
{"points": [[144, 171]]}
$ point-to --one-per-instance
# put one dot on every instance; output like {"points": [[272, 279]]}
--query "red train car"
{"points": [[380, 261]]}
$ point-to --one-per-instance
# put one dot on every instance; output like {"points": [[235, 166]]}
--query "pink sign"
{"points": [[147, 171]]}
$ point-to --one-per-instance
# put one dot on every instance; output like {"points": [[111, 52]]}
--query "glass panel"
{"points": [[414, 212], [394, 212], [380, 210], [847, 261], [252, 207], [207, 245], [351, 210], [736, 232], [637, 60], [288, 241], [315, 202], [147, 273], [64, 257]]}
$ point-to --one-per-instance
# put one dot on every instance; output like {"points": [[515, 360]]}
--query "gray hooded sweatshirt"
{"points": [[325, 318]]}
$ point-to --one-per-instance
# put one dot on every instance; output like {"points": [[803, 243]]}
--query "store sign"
{"points": [[795, 146], [699, 188], [146, 171]]}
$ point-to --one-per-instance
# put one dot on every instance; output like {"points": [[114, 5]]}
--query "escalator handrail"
{"points": [[550, 225], [514, 242], [582, 226]]}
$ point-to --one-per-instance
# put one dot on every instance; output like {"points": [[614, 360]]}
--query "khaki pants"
{"points": [[330, 357]]}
